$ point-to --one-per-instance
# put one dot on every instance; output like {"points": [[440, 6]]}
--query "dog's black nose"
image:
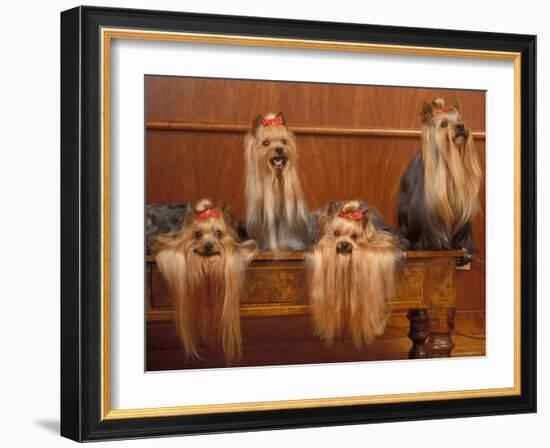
{"points": [[343, 247], [460, 126], [279, 150], [208, 247]]}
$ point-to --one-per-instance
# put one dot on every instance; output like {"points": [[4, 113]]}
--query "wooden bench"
{"points": [[276, 287]]}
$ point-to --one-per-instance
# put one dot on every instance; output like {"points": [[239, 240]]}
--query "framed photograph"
{"points": [[275, 224]]}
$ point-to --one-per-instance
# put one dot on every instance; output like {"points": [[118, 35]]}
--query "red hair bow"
{"points": [[277, 121], [355, 216], [208, 214]]}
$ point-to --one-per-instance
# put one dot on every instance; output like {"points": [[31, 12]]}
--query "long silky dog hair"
{"points": [[438, 195], [276, 211], [203, 265], [352, 272]]}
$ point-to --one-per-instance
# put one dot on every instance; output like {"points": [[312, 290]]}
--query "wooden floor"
{"points": [[291, 341], [471, 345]]}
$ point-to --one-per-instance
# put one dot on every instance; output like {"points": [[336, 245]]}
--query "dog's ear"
{"points": [[227, 212], [226, 208], [366, 218], [320, 224], [190, 212], [457, 106], [256, 123], [229, 218], [332, 209], [189, 217], [426, 113], [280, 114]]}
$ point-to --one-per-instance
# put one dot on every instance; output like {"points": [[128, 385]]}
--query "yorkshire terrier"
{"points": [[438, 195], [276, 212], [352, 272], [203, 265], [168, 218]]}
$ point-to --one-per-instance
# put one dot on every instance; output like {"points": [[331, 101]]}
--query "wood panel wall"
{"points": [[353, 141]]}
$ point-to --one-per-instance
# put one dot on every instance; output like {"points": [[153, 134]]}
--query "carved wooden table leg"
{"points": [[418, 333], [441, 326]]}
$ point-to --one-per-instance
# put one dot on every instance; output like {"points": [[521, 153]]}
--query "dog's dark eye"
{"points": [[444, 124], [283, 141], [336, 233], [198, 235], [265, 143], [218, 234], [354, 236]]}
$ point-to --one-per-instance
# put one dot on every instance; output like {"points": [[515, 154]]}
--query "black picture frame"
{"points": [[81, 227]]}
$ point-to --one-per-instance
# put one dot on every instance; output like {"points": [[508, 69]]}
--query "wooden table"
{"points": [[277, 287]]}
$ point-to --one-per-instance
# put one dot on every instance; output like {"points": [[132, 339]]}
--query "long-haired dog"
{"points": [[203, 265], [438, 195], [276, 211], [352, 272]]}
